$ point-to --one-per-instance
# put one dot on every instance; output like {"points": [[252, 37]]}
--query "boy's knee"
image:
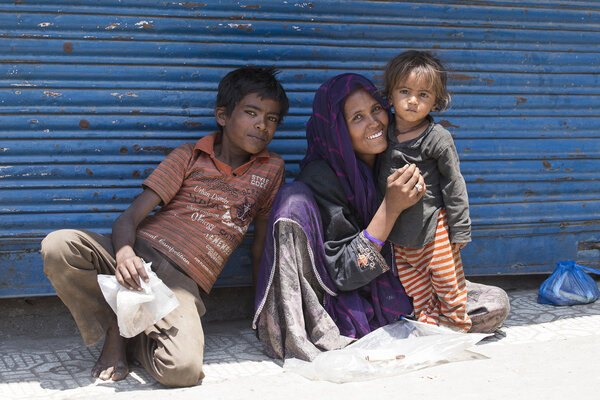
{"points": [[184, 374], [54, 247], [56, 240]]}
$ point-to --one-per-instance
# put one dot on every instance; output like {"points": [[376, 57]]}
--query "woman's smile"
{"points": [[376, 135]]}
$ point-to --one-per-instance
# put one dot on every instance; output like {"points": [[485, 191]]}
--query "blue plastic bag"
{"points": [[569, 285]]}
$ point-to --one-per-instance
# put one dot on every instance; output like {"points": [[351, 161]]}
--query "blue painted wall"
{"points": [[94, 94]]}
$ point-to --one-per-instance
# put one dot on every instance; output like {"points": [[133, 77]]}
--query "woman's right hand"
{"points": [[405, 187]]}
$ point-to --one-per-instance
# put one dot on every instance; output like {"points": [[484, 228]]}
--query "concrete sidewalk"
{"points": [[542, 352]]}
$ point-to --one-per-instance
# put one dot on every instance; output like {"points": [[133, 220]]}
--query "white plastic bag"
{"points": [[390, 350], [138, 310]]}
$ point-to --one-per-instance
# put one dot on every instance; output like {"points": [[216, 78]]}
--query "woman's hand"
{"points": [[405, 187]]}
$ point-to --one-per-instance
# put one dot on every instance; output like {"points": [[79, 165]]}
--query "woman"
{"points": [[322, 280]]}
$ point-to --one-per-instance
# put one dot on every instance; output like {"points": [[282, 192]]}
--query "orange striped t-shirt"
{"points": [[207, 207]]}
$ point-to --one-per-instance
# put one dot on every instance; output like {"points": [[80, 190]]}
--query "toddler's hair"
{"points": [[425, 66], [246, 80]]}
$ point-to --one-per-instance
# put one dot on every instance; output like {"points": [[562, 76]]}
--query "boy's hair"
{"points": [[425, 66], [246, 80]]}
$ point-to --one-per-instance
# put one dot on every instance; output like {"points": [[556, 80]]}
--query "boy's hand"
{"points": [[129, 269], [458, 246], [129, 266]]}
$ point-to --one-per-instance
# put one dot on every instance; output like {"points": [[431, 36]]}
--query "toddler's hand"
{"points": [[458, 246]]}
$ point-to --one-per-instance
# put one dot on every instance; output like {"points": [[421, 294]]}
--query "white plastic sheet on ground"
{"points": [[138, 310], [390, 350]]}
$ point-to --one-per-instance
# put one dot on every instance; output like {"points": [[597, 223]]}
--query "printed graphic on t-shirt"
{"points": [[167, 248], [206, 212], [230, 222], [243, 210], [259, 181], [220, 210]]}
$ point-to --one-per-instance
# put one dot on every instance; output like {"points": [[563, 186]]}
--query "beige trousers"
{"points": [[172, 350]]}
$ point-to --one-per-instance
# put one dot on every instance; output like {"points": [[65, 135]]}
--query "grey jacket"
{"points": [[436, 156]]}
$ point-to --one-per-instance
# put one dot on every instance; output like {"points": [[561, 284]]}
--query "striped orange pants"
{"points": [[433, 277]]}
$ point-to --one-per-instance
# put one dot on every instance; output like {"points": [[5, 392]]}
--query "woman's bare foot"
{"points": [[112, 363]]}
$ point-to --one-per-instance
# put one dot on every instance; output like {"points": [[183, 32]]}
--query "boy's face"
{"points": [[413, 99], [251, 125]]}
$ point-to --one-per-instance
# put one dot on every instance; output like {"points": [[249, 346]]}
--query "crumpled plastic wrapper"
{"points": [[394, 349], [138, 310]]}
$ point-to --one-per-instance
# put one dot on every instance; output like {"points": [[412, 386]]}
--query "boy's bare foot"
{"points": [[112, 363]]}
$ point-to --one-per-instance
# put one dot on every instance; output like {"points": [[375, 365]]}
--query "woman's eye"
{"points": [[357, 117], [377, 108]]}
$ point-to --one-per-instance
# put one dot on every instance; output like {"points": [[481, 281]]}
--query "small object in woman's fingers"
{"points": [[419, 187]]}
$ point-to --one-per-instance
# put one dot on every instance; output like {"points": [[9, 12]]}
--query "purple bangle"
{"points": [[372, 239]]}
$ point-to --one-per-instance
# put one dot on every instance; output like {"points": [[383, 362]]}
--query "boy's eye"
{"points": [[274, 119], [250, 112]]}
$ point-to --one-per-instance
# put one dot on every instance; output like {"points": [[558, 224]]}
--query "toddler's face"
{"points": [[413, 100]]}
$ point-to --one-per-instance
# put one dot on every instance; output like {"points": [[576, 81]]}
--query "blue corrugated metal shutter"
{"points": [[94, 94]]}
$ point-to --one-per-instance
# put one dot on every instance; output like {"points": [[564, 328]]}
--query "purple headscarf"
{"points": [[328, 139]]}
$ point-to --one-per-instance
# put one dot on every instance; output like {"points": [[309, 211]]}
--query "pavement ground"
{"points": [[542, 352]]}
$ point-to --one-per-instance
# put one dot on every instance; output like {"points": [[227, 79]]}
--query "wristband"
{"points": [[372, 239]]}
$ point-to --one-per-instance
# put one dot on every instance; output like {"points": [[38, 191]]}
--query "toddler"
{"points": [[427, 237]]}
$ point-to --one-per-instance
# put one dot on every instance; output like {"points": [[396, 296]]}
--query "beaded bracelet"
{"points": [[373, 239]]}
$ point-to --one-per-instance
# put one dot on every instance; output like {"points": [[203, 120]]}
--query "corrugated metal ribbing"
{"points": [[94, 94]]}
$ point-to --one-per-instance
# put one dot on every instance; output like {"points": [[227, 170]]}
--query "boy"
{"points": [[210, 192]]}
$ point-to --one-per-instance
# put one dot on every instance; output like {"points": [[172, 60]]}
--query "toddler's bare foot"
{"points": [[112, 363]]}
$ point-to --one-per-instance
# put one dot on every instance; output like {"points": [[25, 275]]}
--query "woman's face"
{"points": [[367, 123]]}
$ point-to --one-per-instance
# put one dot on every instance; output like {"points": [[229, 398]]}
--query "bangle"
{"points": [[373, 239]]}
